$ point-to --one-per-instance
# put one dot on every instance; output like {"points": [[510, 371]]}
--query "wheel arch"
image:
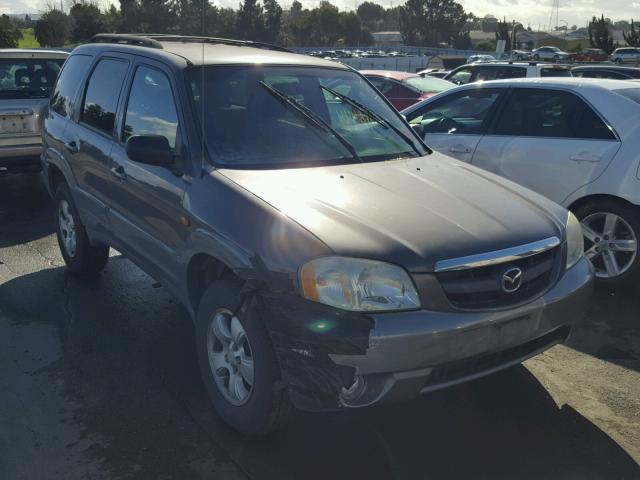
{"points": [[599, 197], [202, 270]]}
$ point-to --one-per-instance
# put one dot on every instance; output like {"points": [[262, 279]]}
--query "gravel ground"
{"points": [[99, 380]]}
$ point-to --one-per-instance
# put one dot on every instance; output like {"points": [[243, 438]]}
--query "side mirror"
{"points": [[419, 129], [150, 150]]}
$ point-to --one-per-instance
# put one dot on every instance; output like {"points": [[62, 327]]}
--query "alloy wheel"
{"points": [[230, 357], [67, 227], [610, 243]]}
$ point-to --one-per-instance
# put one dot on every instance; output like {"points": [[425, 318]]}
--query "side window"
{"points": [[462, 76], [384, 86], [551, 114], [462, 113], [151, 109], [68, 83], [497, 73], [103, 91]]}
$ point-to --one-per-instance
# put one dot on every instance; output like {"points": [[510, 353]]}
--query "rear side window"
{"points": [[555, 72], [383, 85], [461, 113], [151, 109], [497, 73], [103, 91], [550, 114], [67, 85]]}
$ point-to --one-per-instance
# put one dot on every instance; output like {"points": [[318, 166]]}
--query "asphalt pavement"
{"points": [[99, 380]]}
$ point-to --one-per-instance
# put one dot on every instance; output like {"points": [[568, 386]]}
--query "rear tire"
{"points": [[615, 245], [262, 404], [82, 258]]}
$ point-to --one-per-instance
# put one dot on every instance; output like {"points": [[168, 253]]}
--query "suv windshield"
{"points": [[270, 117], [429, 84], [28, 78]]}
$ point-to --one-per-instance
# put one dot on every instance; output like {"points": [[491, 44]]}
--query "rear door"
{"points": [[88, 144], [146, 213], [549, 140], [454, 124]]}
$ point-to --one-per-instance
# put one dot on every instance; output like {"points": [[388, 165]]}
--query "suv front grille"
{"points": [[482, 287]]}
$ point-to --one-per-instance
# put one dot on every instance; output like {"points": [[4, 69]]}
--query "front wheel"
{"points": [[237, 362], [556, 59], [611, 232], [81, 257], [536, 57]]}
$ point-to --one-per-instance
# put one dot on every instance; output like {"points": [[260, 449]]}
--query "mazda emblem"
{"points": [[512, 280]]}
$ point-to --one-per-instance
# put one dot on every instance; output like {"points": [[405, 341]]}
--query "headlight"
{"points": [[358, 285], [575, 241]]}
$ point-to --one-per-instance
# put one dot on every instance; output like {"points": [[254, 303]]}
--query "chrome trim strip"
{"points": [[496, 257]]}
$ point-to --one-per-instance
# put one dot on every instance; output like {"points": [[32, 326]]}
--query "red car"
{"points": [[404, 89], [590, 55]]}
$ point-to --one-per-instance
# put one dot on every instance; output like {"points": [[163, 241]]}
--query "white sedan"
{"points": [[575, 140]]}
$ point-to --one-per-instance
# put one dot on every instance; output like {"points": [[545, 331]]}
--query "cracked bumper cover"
{"points": [[396, 356]]}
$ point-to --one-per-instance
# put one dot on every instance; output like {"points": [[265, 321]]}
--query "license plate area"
{"points": [[17, 122]]}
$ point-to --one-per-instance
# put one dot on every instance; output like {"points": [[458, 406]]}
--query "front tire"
{"points": [[536, 57], [237, 362], [611, 233], [81, 258]]}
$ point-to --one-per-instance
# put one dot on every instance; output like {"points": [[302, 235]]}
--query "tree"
{"points": [[88, 20], [431, 22], [371, 15], [351, 28], [503, 33], [599, 35], [54, 28], [9, 34], [250, 23], [272, 21], [632, 36]]}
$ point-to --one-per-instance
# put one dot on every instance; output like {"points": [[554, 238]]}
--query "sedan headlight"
{"points": [[575, 241], [358, 285]]}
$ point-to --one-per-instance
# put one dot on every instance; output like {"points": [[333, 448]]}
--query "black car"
{"points": [[606, 71]]}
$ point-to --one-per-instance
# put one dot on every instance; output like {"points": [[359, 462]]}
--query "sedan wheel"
{"points": [[230, 357], [610, 244]]}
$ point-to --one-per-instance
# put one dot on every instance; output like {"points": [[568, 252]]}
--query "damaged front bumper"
{"points": [[332, 359]]}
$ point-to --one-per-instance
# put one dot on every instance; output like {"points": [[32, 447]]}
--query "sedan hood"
{"points": [[410, 212]]}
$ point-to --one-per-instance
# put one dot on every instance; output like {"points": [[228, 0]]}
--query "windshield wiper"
{"points": [[374, 116], [311, 117]]}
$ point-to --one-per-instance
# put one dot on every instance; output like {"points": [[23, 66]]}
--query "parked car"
{"points": [[403, 89], [26, 80], [481, 59], [626, 55], [328, 258], [573, 140], [519, 55], [501, 70], [550, 54], [589, 55], [606, 71]]}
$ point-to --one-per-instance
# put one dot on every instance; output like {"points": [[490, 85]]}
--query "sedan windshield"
{"points": [[271, 117], [28, 78], [429, 84]]}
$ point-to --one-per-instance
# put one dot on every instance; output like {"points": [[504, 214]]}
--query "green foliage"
{"points": [[431, 22], [9, 33], [632, 36], [28, 39], [88, 20], [54, 29], [599, 35], [486, 47]]}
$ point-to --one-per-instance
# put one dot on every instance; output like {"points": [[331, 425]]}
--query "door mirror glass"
{"points": [[150, 150]]}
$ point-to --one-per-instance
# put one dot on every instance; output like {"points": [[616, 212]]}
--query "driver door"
{"points": [[455, 124]]}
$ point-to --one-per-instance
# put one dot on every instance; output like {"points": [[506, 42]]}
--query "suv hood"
{"points": [[410, 212]]}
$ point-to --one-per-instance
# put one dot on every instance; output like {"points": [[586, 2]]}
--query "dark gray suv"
{"points": [[328, 258]]}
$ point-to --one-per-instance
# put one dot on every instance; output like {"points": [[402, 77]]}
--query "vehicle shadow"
{"points": [[25, 210], [611, 329], [129, 369]]}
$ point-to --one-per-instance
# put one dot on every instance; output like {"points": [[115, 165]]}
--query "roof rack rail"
{"points": [[153, 40], [223, 41], [140, 40]]}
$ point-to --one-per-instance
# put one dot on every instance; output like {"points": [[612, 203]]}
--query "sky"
{"points": [[535, 13]]}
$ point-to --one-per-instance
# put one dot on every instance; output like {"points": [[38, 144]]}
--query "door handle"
{"points": [[72, 146], [460, 149], [585, 157], [118, 172]]}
